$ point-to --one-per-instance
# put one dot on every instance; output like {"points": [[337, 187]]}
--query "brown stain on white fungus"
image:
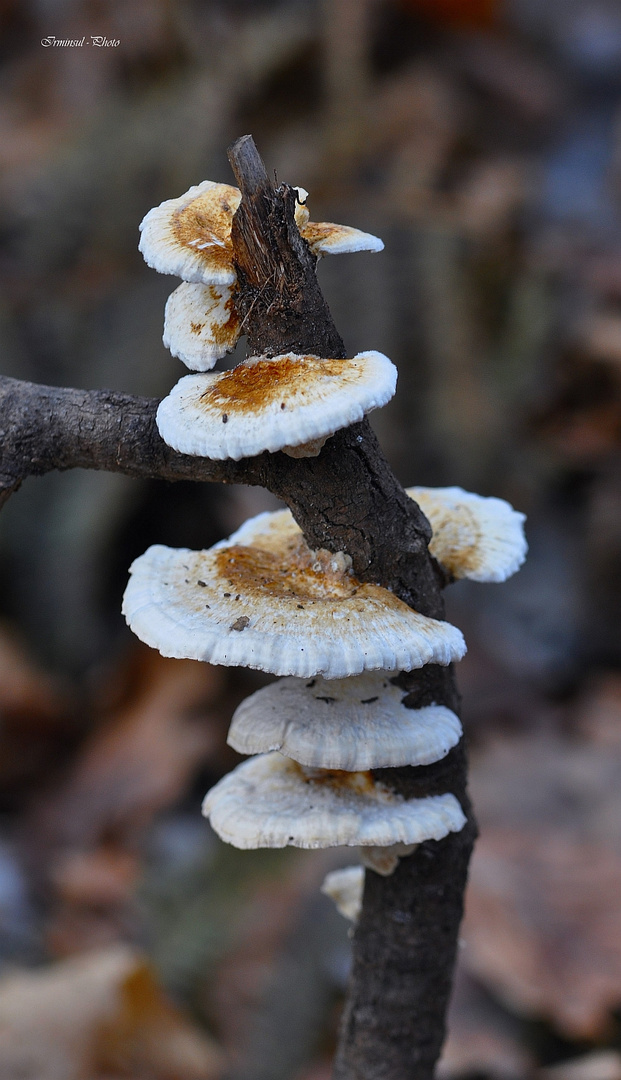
{"points": [[249, 387], [294, 572], [207, 220], [456, 542]]}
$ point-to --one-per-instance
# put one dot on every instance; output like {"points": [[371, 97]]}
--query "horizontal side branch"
{"points": [[43, 428]]}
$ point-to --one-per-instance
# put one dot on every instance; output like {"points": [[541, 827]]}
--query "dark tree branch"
{"points": [[281, 303], [47, 427], [348, 499]]}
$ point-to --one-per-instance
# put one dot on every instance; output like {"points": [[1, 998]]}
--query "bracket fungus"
{"points": [[201, 324], [476, 537], [345, 888], [272, 403], [281, 608], [264, 599], [190, 237], [353, 724], [271, 801]]}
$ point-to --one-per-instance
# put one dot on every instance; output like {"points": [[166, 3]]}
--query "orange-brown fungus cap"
{"points": [[191, 236], [272, 403], [473, 537]]}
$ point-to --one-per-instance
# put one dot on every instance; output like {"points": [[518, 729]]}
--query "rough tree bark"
{"points": [[346, 499]]}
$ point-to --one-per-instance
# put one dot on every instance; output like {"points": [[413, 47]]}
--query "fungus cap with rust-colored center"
{"points": [[272, 403], [354, 724], [280, 608], [473, 536], [201, 324], [191, 236], [271, 801]]}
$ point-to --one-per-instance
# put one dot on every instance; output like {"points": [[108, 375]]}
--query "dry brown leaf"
{"points": [[543, 926], [104, 876], [598, 717], [27, 692], [141, 761], [87, 835], [149, 1036], [101, 1013], [480, 1040]]}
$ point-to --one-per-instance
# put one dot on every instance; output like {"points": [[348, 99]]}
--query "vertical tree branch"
{"points": [[282, 307], [347, 499]]}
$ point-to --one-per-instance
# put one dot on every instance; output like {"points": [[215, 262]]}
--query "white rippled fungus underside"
{"points": [[354, 724], [271, 801]]}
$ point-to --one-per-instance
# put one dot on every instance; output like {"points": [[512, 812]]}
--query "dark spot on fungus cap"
{"points": [[241, 623]]}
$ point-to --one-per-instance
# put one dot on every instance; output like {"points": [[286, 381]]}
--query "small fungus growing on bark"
{"points": [[345, 888], [473, 537]]}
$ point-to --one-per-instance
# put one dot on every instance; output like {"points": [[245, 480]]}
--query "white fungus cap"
{"points": [[271, 801], [280, 608], [268, 404], [325, 238], [345, 887], [201, 324], [473, 536], [353, 724], [191, 236]]}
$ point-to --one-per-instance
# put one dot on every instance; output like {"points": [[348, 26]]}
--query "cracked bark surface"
{"points": [[346, 499]]}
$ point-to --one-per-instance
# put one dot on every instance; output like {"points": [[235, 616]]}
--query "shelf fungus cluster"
{"points": [[287, 402], [265, 600]]}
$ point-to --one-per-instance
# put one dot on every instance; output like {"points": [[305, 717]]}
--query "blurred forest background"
{"points": [[482, 141]]}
